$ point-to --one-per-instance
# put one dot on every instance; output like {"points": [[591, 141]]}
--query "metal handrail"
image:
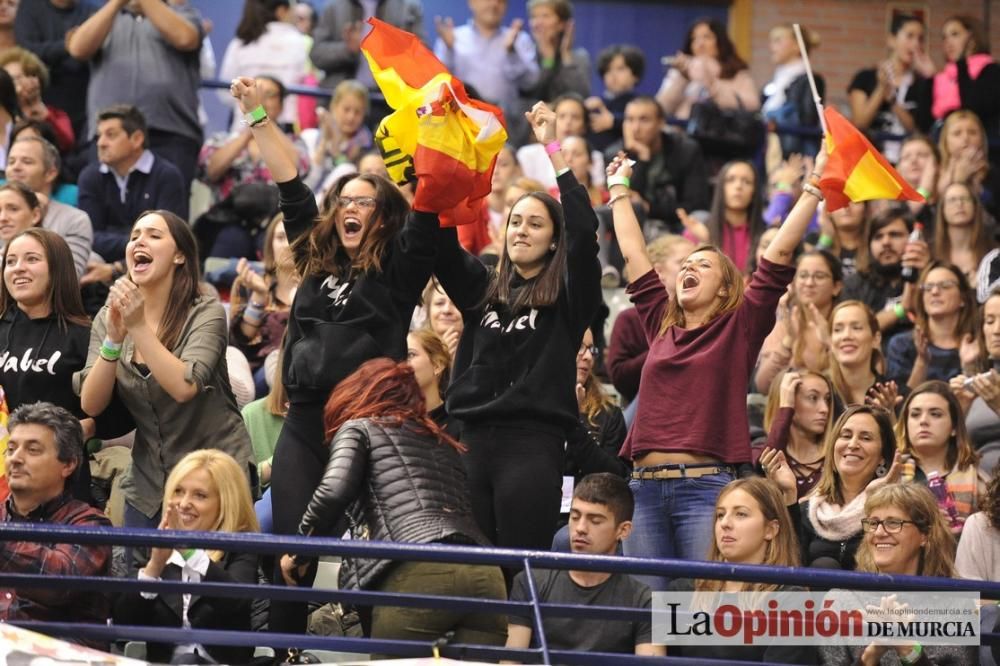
{"points": [[317, 546]]}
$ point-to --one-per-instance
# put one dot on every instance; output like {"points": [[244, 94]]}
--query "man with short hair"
{"points": [[669, 171], [44, 452], [34, 162], [128, 181], [600, 517]]}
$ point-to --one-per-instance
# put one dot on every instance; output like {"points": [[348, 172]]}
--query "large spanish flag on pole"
{"points": [[436, 132], [856, 171]]}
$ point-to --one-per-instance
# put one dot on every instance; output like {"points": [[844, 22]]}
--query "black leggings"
{"points": [[515, 480], [299, 460]]}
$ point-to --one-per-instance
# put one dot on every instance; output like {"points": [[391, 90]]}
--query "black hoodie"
{"points": [[521, 366], [38, 358]]}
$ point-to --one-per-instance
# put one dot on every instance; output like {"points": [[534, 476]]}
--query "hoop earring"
{"points": [[881, 470]]}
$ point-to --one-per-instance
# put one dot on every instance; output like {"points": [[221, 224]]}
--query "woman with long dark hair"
{"points": [[513, 383], [395, 475], [736, 218], [363, 262], [160, 346], [691, 422], [707, 66], [44, 328]]}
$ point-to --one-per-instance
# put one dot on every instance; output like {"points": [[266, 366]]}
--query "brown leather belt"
{"points": [[662, 472]]}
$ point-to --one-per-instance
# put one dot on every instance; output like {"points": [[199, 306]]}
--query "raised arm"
{"points": [[176, 29], [627, 230], [90, 35], [270, 140], [99, 372], [790, 234]]}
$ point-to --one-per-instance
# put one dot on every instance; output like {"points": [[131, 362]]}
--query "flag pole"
{"points": [[809, 73]]}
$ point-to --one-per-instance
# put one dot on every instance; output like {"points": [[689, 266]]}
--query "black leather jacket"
{"points": [[395, 483]]}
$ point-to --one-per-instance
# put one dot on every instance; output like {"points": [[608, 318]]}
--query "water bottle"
{"points": [[911, 273], [909, 469], [944, 498]]}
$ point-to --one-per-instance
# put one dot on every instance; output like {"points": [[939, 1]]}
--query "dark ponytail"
{"points": [[256, 15]]}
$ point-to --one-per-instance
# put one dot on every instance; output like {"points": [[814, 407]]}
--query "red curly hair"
{"points": [[386, 390]]}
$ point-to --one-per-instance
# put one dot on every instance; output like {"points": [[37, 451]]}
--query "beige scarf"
{"points": [[834, 522]]}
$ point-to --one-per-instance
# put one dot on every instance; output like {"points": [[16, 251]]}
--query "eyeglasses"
{"points": [[951, 201], [891, 525], [360, 202], [587, 348], [815, 277], [943, 285]]}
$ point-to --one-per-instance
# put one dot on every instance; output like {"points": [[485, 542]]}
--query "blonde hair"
{"points": [[437, 351], [663, 246], [809, 37], [349, 87], [277, 397], [781, 551], [937, 556], [732, 280], [236, 512], [954, 117], [774, 398]]}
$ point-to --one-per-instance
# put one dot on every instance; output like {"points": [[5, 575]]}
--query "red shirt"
{"points": [[693, 391]]}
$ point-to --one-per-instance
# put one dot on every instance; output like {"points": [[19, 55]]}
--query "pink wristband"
{"points": [[553, 148]]}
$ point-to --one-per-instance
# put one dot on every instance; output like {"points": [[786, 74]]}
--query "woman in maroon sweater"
{"points": [[691, 430]]}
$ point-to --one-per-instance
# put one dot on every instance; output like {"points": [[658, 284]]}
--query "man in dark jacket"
{"points": [[669, 171]]}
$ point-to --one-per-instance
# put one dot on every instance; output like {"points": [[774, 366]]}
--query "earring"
{"points": [[881, 470], [552, 247]]}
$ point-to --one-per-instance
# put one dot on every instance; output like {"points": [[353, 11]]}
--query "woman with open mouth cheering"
{"points": [[160, 346], [363, 260], [690, 432]]}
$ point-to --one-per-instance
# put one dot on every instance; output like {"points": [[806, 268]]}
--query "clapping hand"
{"points": [[290, 572], [776, 468], [129, 302], [543, 122], [510, 37], [445, 28], [244, 89], [250, 279], [884, 395]]}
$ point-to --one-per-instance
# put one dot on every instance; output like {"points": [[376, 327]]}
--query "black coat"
{"points": [[396, 483], [222, 613]]}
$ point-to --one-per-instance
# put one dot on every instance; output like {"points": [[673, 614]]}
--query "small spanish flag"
{"points": [[4, 436], [856, 171], [436, 132]]}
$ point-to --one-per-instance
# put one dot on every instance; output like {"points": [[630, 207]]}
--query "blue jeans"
{"points": [[262, 508], [673, 520], [136, 556]]}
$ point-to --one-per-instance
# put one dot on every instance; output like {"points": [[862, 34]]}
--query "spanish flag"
{"points": [[4, 436], [856, 171], [436, 132]]}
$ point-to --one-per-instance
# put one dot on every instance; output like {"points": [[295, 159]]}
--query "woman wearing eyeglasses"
{"points": [[961, 236], [904, 534], [801, 335], [942, 341], [363, 261]]}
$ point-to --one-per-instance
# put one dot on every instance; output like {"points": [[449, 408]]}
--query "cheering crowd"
{"points": [[259, 331]]}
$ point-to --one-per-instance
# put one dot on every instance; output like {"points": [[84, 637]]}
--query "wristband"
{"points": [[113, 346], [825, 241], [914, 656], [619, 180], [109, 354], [922, 191], [562, 171], [188, 553], [782, 186], [548, 63], [553, 148], [255, 116], [900, 311]]}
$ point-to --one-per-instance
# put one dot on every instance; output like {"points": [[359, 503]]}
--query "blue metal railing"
{"points": [[316, 546]]}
